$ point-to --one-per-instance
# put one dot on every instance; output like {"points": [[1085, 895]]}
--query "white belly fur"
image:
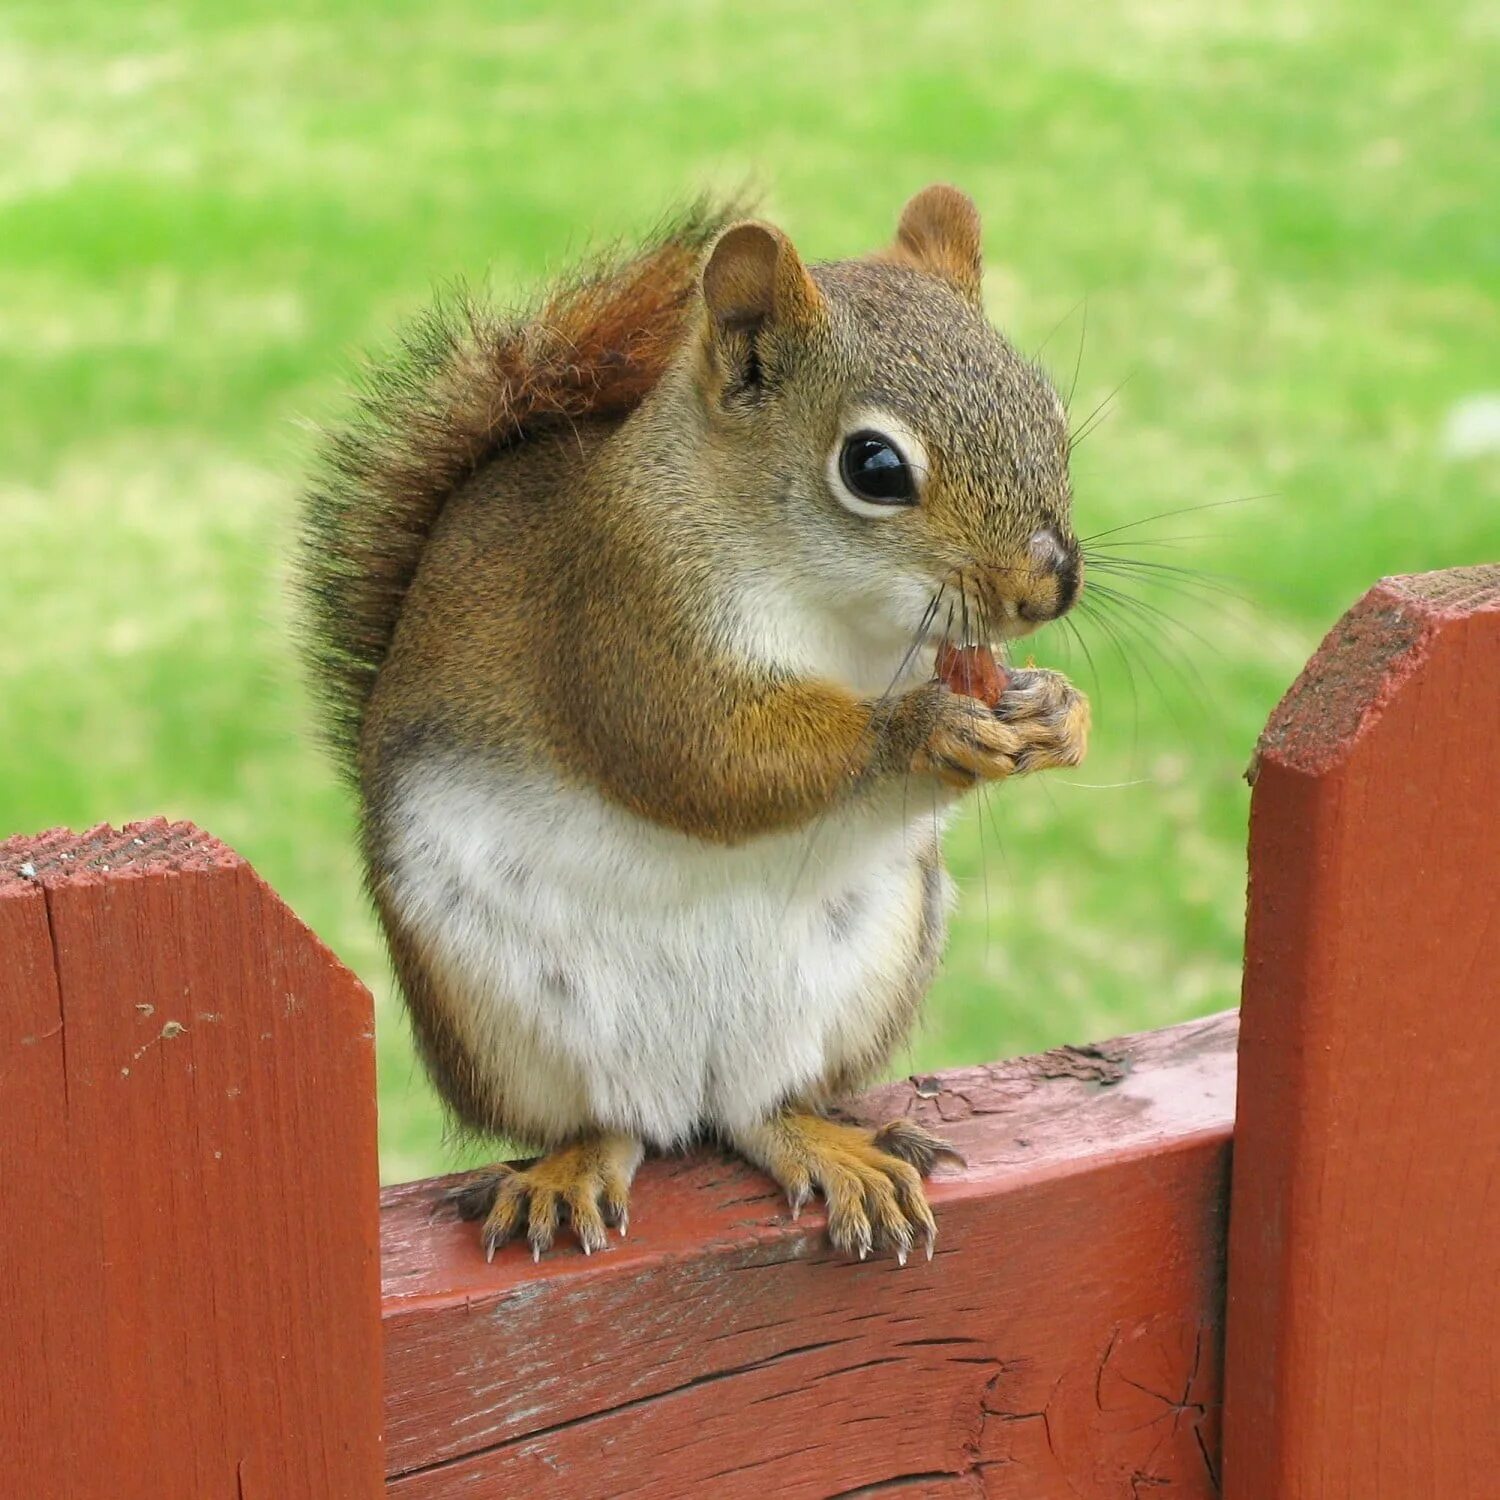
{"points": [[675, 983]]}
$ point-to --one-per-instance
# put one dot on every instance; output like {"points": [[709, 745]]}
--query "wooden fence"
{"points": [[203, 1292]]}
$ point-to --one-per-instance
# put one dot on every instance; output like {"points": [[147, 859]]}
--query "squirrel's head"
{"points": [[878, 431]]}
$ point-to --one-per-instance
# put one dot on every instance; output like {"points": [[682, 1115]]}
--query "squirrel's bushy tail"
{"points": [[465, 382]]}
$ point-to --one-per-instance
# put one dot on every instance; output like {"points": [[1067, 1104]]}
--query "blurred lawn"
{"points": [[1283, 218]]}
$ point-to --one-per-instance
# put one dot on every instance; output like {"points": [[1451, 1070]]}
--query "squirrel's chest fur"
{"points": [[595, 970]]}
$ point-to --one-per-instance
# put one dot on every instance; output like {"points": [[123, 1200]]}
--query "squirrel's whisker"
{"points": [[1183, 583], [1078, 357], [1159, 615], [984, 872], [1133, 645], [1133, 618], [1098, 414], [1166, 515], [1158, 541], [1036, 353], [1072, 632], [1193, 592], [1087, 609]]}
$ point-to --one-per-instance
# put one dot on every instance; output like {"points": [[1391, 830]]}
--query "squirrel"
{"points": [[624, 610]]}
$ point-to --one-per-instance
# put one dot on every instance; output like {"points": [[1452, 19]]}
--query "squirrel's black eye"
{"points": [[874, 469]]}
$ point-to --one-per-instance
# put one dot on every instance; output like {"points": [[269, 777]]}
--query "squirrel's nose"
{"points": [[1057, 561], [1047, 551]]}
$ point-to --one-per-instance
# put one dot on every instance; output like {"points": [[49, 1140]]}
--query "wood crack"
{"points": [[634, 1404]]}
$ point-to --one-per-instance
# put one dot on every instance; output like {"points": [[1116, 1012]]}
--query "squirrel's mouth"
{"points": [[1003, 601], [989, 623]]}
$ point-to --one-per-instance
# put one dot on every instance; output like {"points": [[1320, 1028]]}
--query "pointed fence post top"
{"points": [[189, 1235], [1364, 660]]}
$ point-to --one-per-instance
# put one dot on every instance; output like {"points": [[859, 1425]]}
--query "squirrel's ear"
{"points": [[754, 284], [939, 233], [754, 276]]}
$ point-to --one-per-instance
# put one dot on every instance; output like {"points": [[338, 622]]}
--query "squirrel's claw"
{"points": [[797, 1194]]}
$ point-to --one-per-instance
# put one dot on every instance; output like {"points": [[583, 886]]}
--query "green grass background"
{"points": [[1283, 219]]}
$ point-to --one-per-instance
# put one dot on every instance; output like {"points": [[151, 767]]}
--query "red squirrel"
{"points": [[625, 611]]}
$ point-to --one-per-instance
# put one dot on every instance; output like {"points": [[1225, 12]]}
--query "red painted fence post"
{"points": [[189, 1276], [1363, 1323]]}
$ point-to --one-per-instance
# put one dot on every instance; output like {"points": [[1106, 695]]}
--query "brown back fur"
{"points": [[468, 382]]}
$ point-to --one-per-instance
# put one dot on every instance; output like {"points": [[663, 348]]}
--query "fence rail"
{"points": [[723, 1350], [203, 1292]]}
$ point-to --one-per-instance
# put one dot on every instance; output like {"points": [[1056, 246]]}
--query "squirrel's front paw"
{"points": [[1050, 715], [1041, 720]]}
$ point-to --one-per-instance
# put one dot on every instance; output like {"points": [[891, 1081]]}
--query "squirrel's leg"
{"points": [[587, 1181], [870, 1179]]}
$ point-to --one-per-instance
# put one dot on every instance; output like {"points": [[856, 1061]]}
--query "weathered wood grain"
{"points": [[1364, 1303], [1064, 1341], [188, 1255]]}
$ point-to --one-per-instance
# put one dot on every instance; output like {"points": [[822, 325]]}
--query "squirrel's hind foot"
{"points": [[586, 1183], [871, 1180]]}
